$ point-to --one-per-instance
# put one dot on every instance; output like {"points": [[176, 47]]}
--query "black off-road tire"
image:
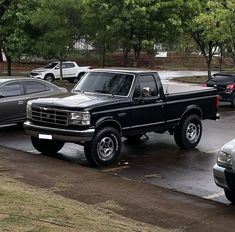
{"points": [[188, 134], [47, 147], [230, 196], [105, 147], [49, 78]]}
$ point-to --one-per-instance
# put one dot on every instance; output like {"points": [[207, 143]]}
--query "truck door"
{"points": [[147, 110]]}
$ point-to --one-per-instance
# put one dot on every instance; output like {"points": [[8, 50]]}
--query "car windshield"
{"points": [[51, 65], [222, 78], [105, 83]]}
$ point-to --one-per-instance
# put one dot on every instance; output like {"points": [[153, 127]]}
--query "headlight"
{"points": [[79, 118], [29, 110], [224, 159]]}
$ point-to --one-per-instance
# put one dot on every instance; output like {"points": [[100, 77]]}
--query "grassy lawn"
{"points": [[25, 208]]}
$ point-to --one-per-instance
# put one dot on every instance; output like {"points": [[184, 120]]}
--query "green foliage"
{"points": [[15, 37], [56, 26]]}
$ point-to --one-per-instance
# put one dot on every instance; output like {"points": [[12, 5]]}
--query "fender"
{"points": [[108, 120], [191, 108]]}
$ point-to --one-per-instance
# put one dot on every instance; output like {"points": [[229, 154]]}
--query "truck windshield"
{"points": [[105, 83]]}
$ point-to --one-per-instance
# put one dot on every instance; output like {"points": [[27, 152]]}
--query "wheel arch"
{"points": [[192, 110], [49, 74], [108, 121]]}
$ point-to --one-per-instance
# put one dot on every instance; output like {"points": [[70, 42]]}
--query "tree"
{"points": [[228, 27], [15, 40], [57, 25], [4, 6], [203, 21]]}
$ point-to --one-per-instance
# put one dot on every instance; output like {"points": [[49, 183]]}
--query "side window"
{"points": [[148, 87], [11, 89], [34, 87], [68, 65]]}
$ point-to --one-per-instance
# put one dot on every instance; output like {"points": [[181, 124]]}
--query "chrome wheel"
{"points": [[192, 132], [106, 148]]}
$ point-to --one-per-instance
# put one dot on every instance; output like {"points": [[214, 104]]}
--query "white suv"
{"points": [[71, 71]]}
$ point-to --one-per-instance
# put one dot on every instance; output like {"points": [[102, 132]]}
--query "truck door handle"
{"points": [[20, 102]]}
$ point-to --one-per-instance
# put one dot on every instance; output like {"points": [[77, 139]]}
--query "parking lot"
{"points": [[155, 160]]}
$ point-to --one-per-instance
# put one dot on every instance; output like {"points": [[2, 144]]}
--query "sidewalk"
{"points": [[145, 203]]}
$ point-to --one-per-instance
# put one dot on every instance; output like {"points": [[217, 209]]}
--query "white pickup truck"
{"points": [[71, 71]]}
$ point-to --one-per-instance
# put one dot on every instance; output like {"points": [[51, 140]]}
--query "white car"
{"points": [[224, 170], [71, 71]]}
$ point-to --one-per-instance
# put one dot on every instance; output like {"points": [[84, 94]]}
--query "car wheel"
{"points": [[233, 102], [189, 132], [105, 147], [49, 78], [230, 196], [48, 147]]}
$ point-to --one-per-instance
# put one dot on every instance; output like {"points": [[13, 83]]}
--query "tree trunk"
{"points": [[61, 71], [209, 67], [1, 58], [137, 50], [9, 62], [125, 56], [221, 58], [103, 54]]}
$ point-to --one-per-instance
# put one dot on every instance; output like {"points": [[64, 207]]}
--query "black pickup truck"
{"points": [[109, 104]]}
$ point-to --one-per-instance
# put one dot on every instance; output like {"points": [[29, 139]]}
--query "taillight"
{"points": [[204, 85], [231, 86], [217, 102]]}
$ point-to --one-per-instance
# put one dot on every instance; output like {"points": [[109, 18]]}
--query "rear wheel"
{"points": [[49, 78], [105, 147], [230, 195], [189, 132], [48, 147]]}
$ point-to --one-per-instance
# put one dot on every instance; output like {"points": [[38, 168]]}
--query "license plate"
{"points": [[43, 136]]}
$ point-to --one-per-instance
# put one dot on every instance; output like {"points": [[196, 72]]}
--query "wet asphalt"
{"points": [[155, 160]]}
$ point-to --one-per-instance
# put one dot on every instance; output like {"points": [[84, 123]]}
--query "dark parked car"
{"points": [[16, 92], [225, 84]]}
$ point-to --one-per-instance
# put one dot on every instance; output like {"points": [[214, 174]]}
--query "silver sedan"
{"points": [[16, 92], [224, 170]]}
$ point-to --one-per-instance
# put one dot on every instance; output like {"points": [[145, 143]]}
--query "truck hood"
{"points": [[75, 101]]}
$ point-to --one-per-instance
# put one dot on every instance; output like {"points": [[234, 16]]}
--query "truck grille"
{"points": [[50, 116]]}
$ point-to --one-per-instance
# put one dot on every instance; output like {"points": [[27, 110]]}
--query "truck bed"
{"points": [[176, 88]]}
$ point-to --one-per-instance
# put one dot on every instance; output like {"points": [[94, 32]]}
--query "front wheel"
{"points": [[188, 133], [105, 147], [230, 196], [48, 147]]}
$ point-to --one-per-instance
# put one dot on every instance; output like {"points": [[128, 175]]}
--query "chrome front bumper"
{"points": [[65, 135], [219, 176]]}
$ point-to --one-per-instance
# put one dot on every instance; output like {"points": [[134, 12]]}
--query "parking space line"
{"points": [[216, 195]]}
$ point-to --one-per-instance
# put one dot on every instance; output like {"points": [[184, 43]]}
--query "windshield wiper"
{"points": [[103, 91]]}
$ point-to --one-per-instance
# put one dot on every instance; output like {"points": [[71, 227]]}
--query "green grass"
{"points": [[25, 208]]}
